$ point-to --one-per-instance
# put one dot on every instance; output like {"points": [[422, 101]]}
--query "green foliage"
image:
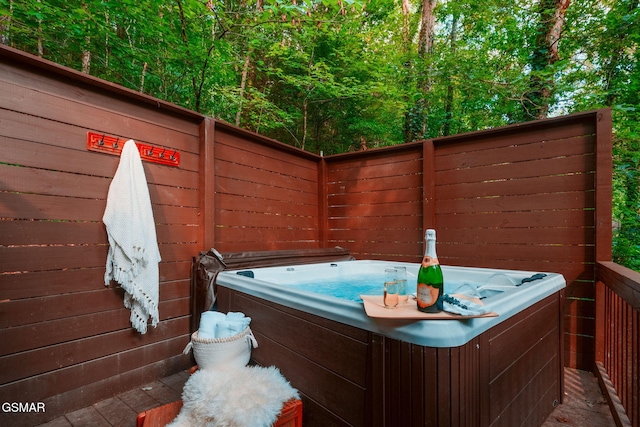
{"points": [[626, 190], [626, 248], [337, 75]]}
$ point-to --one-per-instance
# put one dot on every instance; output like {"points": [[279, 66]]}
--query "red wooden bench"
{"points": [[290, 416]]}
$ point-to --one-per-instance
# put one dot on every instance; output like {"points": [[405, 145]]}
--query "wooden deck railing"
{"points": [[618, 340]]}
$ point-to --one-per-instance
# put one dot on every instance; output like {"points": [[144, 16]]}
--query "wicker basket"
{"points": [[223, 353]]}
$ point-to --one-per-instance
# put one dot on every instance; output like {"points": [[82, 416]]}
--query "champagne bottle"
{"points": [[430, 282]]}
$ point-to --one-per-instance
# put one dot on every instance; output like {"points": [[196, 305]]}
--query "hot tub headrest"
{"points": [[254, 259]]}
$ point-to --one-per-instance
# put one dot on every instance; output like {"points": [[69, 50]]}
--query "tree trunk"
{"points": [[448, 104], [427, 28], [551, 15], [86, 61], [408, 65], [86, 51], [107, 49], [144, 74], [191, 66], [406, 24], [243, 84], [425, 80], [5, 26], [305, 108], [40, 40], [245, 72]]}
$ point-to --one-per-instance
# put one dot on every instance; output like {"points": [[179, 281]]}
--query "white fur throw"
{"points": [[249, 396]]}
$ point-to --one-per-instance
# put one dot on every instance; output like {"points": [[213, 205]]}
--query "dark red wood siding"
{"points": [[524, 197], [65, 338], [374, 203], [266, 195]]}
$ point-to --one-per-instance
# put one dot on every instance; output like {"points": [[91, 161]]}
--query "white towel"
{"points": [[464, 307], [214, 324], [133, 249]]}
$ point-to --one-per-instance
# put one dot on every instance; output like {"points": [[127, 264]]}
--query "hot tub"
{"points": [[361, 371]]}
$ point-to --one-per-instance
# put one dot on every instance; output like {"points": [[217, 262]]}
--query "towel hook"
{"points": [[110, 144]]}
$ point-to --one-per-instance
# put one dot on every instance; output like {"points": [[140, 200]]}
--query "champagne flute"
{"points": [[401, 278], [390, 297]]}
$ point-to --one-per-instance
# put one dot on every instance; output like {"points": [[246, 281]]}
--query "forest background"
{"points": [[341, 75]]}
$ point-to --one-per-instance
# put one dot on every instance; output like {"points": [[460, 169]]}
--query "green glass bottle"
{"points": [[430, 282]]}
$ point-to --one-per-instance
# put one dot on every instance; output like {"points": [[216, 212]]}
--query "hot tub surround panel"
{"points": [[352, 377], [326, 360]]}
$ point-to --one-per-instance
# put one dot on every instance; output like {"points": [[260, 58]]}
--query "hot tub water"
{"points": [[350, 280], [351, 287]]}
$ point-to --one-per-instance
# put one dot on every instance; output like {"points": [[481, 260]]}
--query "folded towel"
{"points": [[231, 327], [235, 316], [214, 324], [208, 323], [463, 307], [133, 250]]}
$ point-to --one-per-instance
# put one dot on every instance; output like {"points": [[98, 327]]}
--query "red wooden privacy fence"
{"points": [[618, 340], [535, 196]]}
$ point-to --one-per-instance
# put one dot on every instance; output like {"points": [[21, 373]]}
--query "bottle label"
{"points": [[426, 295], [429, 261]]}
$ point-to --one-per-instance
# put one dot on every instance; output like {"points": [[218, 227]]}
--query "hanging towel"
{"points": [[133, 250]]}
